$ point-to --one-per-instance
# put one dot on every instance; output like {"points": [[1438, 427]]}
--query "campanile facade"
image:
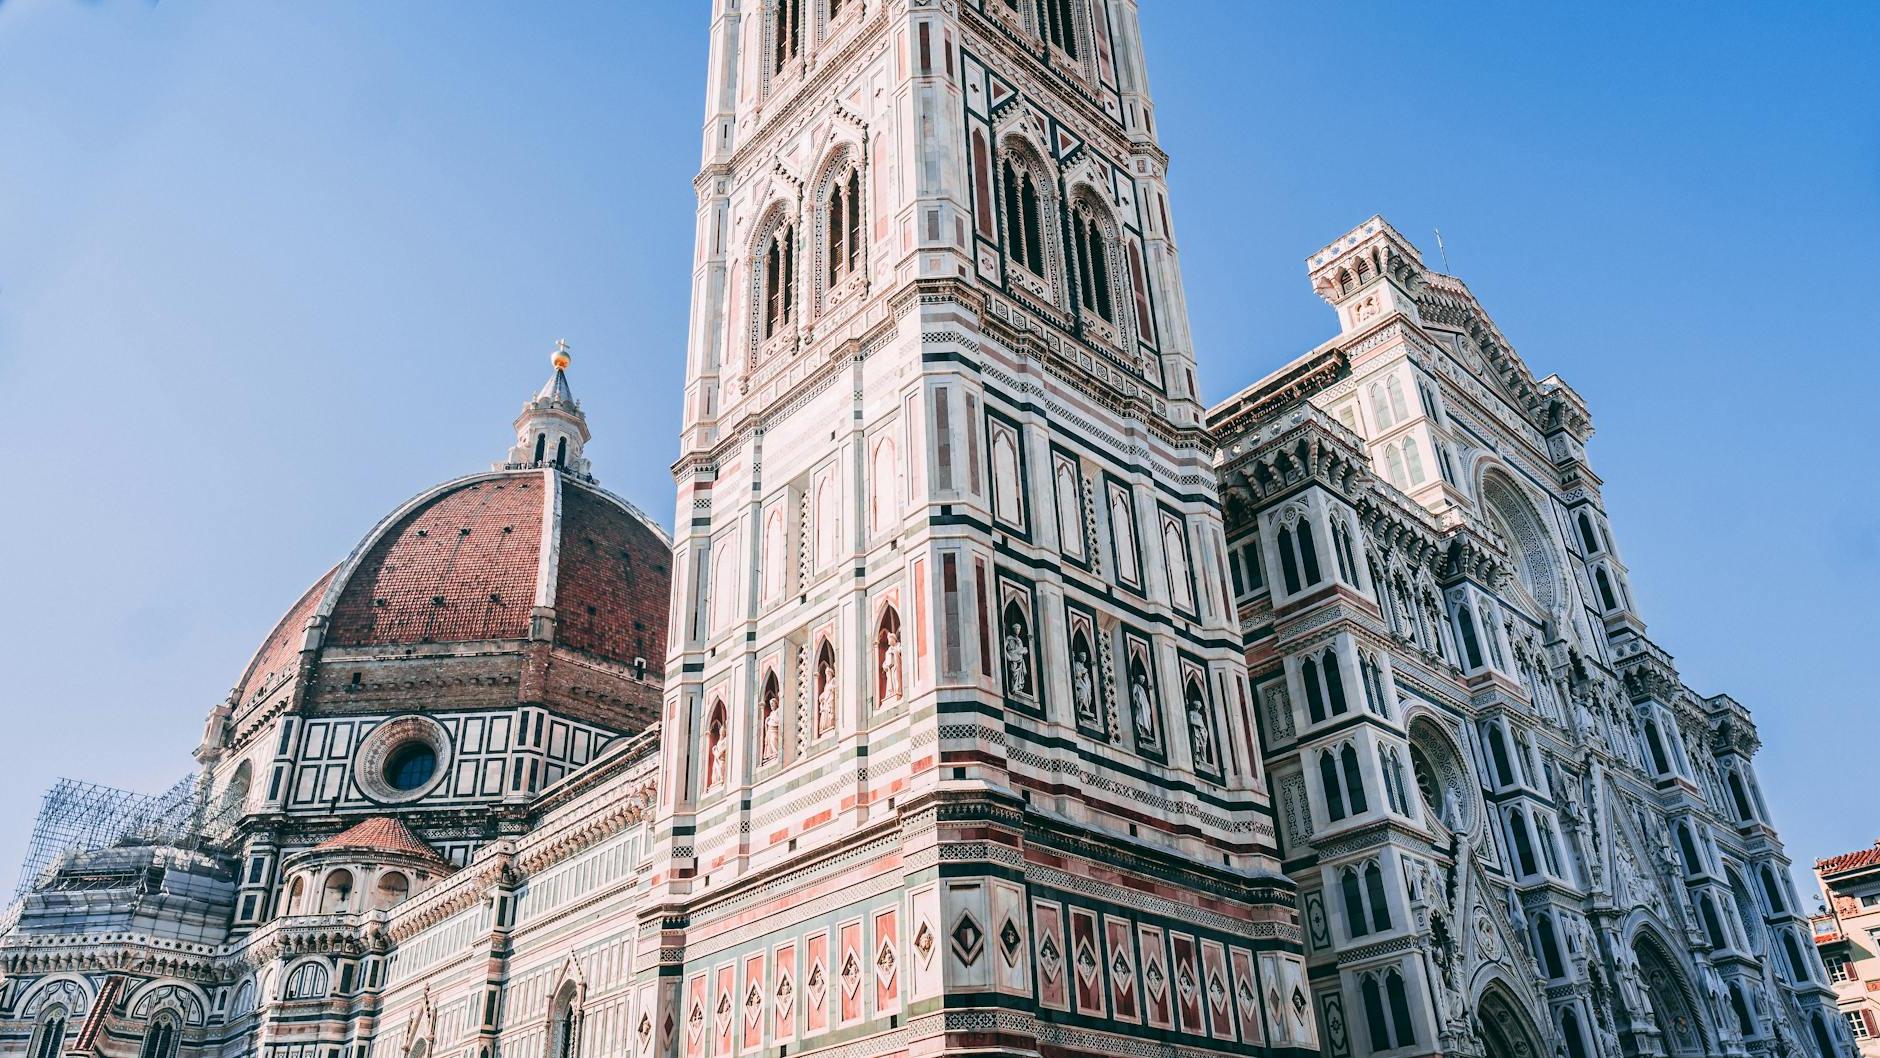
{"points": [[959, 750]]}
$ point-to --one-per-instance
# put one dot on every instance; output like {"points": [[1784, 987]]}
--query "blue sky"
{"points": [[266, 269]]}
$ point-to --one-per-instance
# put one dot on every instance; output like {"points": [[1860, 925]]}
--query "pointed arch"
{"points": [[564, 1021], [162, 1037], [884, 494], [838, 195], [773, 279], [1094, 252], [1684, 1030], [889, 673], [1028, 197]]}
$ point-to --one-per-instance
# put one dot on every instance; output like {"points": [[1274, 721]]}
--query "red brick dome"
{"points": [[483, 558]]}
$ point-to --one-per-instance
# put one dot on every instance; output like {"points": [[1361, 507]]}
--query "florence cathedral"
{"points": [[991, 694]]}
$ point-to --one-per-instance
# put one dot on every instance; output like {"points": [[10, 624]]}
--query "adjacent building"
{"points": [[1515, 829], [1847, 933]]}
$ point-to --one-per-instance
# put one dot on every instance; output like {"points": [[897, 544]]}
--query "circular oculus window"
{"points": [[402, 759]]}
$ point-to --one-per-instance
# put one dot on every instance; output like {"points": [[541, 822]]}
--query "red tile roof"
{"points": [[1850, 861], [461, 567], [611, 583], [382, 834]]}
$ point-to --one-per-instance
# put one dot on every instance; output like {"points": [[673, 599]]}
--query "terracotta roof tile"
{"points": [[460, 568], [611, 584], [382, 834], [1849, 861]]}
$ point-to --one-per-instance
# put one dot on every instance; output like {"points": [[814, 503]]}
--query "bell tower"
{"points": [[956, 716]]}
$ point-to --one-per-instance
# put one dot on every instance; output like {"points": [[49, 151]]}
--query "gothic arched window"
{"points": [[50, 1042], [1024, 228], [1549, 945], [1093, 263], [779, 267], [1374, 1014], [1315, 694], [564, 1023], [161, 1039], [1399, 1009], [1772, 891], [843, 228], [1330, 783], [1374, 892], [789, 33], [1352, 892], [1413, 459], [1586, 534], [1341, 548], [1354, 779], [1060, 27], [1380, 408], [1657, 746], [1373, 685], [1739, 797], [1607, 599], [1334, 682]]}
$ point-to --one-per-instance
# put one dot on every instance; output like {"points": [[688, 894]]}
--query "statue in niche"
{"points": [[1083, 687], [1198, 731], [826, 697], [772, 740], [1139, 705], [890, 667], [1017, 660], [719, 765]]}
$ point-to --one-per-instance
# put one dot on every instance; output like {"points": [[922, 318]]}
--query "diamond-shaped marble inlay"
{"points": [[1050, 959], [1010, 941], [1152, 975], [923, 943], [969, 940]]}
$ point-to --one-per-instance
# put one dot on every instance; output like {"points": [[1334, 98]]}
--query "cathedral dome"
{"points": [[529, 553]]}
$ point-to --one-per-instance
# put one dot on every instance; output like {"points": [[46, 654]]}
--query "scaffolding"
{"points": [[79, 816]]}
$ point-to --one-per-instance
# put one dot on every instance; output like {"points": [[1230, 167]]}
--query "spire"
{"points": [[551, 430]]}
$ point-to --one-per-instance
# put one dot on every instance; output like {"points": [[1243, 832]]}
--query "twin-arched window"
{"points": [[1367, 909], [161, 1039], [1325, 686], [51, 1039], [1342, 783], [1397, 1030], [1298, 556]]}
